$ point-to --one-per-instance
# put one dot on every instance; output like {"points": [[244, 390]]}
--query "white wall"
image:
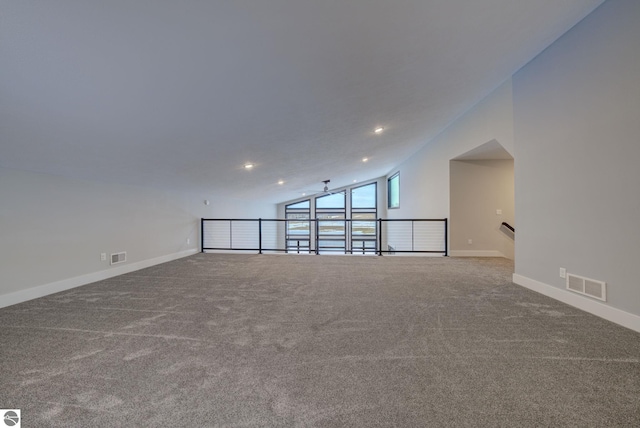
{"points": [[570, 118], [478, 189], [54, 230], [577, 157], [424, 178]]}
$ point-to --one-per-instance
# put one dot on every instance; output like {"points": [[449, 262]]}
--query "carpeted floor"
{"points": [[327, 341]]}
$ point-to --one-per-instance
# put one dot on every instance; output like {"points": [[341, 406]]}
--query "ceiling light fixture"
{"points": [[248, 165], [378, 130], [365, 159], [281, 182]]}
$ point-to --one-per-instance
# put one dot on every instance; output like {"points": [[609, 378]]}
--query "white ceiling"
{"points": [[491, 150], [181, 94]]}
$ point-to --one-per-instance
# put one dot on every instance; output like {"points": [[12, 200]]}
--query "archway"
{"points": [[481, 199]]}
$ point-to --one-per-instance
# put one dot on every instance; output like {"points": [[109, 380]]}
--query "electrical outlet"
{"points": [[563, 273], [188, 241], [103, 257], [498, 212], [470, 241]]}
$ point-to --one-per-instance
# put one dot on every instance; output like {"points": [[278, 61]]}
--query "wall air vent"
{"points": [[118, 258], [587, 287]]}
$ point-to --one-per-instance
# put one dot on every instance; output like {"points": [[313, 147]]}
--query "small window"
{"points": [[393, 191]]}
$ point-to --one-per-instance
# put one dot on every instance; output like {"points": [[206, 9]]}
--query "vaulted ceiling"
{"points": [[182, 94]]}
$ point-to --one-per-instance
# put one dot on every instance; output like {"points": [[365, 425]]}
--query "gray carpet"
{"points": [[327, 341]]}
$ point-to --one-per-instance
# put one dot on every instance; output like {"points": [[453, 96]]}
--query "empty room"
{"points": [[309, 213]]}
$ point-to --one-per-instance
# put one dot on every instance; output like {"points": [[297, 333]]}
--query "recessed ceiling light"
{"points": [[355, 181], [304, 194], [365, 159], [248, 165], [378, 130], [281, 182]]}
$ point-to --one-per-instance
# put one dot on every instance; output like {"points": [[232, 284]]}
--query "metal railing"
{"points": [[326, 236], [508, 226]]}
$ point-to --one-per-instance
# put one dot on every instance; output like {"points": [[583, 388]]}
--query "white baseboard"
{"points": [[586, 304], [475, 253], [66, 284]]}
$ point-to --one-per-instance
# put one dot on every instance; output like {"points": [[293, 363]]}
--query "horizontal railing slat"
{"points": [[423, 235]]}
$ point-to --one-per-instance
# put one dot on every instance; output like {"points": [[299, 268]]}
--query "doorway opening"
{"points": [[482, 199]]}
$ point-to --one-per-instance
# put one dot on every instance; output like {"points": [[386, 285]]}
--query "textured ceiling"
{"points": [[181, 94]]}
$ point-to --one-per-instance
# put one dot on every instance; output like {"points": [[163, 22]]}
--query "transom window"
{"points": [[331, 201]]}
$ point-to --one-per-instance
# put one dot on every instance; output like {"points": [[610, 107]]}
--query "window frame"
{"points": [[323, 240], [395, 176], [365, 237], [305, 237]]}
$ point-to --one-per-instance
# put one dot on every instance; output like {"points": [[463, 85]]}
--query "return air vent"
{"points": [[587, 287], [118, 258]]}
